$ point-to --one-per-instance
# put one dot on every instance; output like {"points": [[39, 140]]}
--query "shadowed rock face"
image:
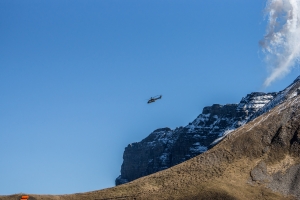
{"points": [[165, 148]]}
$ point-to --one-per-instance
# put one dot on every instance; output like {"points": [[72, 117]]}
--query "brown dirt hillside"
{"points": [[260, 160]]}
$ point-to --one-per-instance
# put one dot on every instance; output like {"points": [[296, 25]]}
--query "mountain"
{"points": [[164, 147], [258, 160]]}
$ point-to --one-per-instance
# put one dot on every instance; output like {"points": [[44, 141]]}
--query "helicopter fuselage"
{"points": [[153, 99]]}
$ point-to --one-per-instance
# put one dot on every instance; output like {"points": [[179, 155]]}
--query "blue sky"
{"points": [[75, 77]]}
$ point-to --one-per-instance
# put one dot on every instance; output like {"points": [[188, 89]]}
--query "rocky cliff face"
{"points": [[164, 147]]}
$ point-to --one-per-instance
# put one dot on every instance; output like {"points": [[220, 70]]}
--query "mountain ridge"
{"points": [[171, 147]]}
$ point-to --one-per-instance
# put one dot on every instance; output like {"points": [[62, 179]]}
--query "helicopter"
{"points": [[153, 99]]}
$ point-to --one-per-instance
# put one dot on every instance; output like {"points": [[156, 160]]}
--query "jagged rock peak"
{"points": [[159, 130], [258, 98], [289, 92]]}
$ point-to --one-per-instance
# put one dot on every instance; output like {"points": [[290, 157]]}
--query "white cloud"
{"points": [[281, 43]]}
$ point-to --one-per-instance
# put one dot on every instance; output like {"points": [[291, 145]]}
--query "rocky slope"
{"points": [[259, 160]]}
